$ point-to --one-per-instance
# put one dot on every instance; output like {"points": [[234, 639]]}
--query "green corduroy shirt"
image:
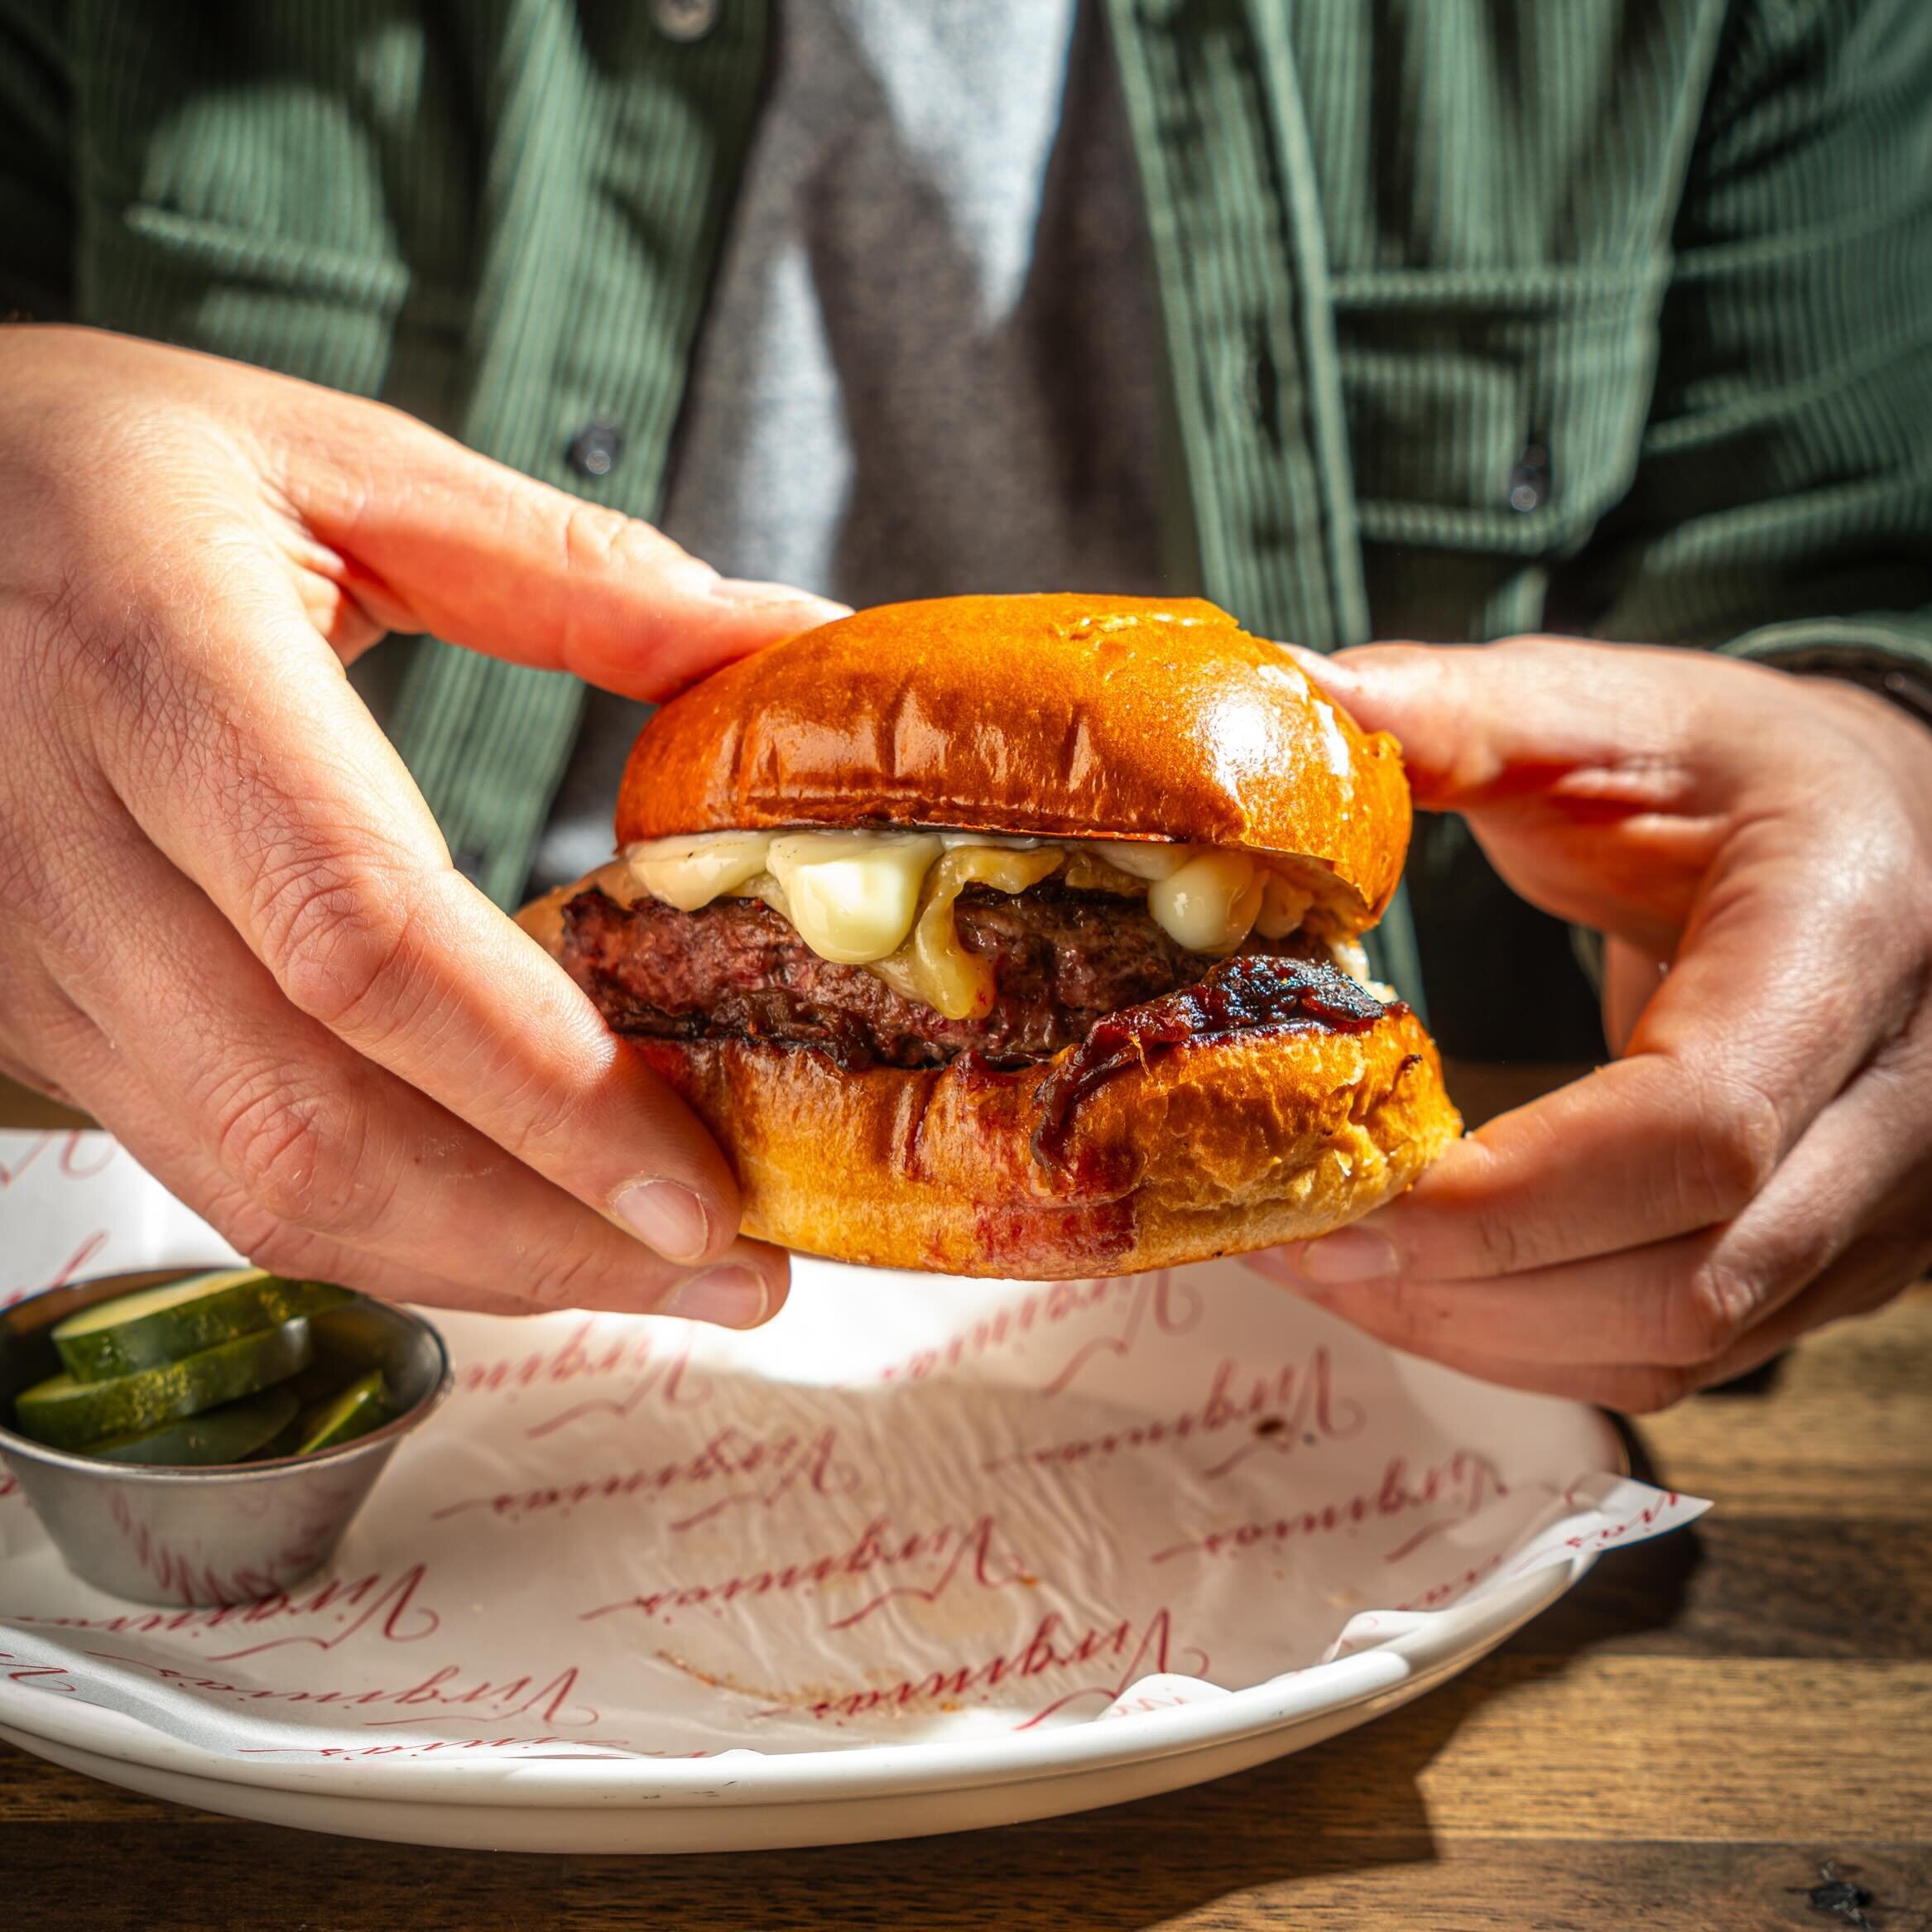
{"points": [[1610, 317]]}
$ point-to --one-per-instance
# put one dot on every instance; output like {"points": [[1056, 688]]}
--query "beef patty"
{"points": [[734, 969]]}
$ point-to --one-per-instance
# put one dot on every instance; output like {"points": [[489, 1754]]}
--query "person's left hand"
{"points": [[1757, 847]]}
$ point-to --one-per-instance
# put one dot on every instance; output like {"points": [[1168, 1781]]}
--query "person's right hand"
{"points": [[230, 928]]}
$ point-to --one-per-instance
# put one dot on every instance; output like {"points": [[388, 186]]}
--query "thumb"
{"points": [[1484, 724], [1593, 775], [433, 537]]}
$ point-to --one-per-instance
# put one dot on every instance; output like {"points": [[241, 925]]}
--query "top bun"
{"points": [[1052, 716]]}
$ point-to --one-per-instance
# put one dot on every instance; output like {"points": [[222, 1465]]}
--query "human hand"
{"points": [[1757, 848], [230, 928]]}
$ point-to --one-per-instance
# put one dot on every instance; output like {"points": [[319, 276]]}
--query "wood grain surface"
{"points": [[1681, 1745]]}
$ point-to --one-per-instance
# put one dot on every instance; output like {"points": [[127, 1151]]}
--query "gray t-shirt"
{"points": [[931, 363]]}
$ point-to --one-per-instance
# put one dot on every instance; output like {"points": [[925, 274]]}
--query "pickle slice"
{"points": [[66, 1414], [154, 1326], [361, 1406], [231, 1434]]}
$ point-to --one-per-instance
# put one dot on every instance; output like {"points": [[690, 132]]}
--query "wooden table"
{"points": [[1680, 1745]]}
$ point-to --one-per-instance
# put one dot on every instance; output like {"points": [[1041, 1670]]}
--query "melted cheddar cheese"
{"points": [[884, 899]]}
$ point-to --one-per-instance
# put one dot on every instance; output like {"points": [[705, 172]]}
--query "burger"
{"points": [[1019, 936]]}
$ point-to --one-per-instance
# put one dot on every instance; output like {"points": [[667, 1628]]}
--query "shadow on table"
{"points": [[1134, 1866], [1115, 1871], [1644, 1589]]}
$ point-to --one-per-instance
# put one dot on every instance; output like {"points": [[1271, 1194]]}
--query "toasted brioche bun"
{"points": [[1049, 716], [1220, 1145]]}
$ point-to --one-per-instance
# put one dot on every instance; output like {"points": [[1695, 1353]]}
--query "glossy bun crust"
{"points": [[1220, 1145], [1061, 715]]}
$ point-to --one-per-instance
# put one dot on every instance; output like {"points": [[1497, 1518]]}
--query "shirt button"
{"points": [[1529, 481], [595, 449], [684, 20]]}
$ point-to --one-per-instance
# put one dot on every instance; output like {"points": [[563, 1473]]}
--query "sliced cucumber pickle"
{"points": [[66, 1414], [231, 1434], [155, 1326], [361, 1406]]}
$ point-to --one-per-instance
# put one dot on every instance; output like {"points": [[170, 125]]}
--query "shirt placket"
{"points": [[1213, 98], [617, 140]]}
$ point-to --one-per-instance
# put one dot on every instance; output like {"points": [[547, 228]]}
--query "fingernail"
{"points": [[1355, 1254], [666, 1216], [820, 610], [729, 1298]]}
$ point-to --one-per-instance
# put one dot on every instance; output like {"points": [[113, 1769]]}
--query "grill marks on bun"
{"points": [[1218, 1146]]}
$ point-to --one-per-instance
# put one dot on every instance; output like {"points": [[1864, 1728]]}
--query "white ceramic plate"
{"points": [[922, 1555], [750, 1801]]}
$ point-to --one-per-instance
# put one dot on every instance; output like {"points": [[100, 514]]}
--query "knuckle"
{"points": [[1499, 1243], [592, 535], [302, 1158], [1707, 1315], [121, 665], [335, 940], [1735, 1136], [598, 540], [553, 1115], [562, 1275]]}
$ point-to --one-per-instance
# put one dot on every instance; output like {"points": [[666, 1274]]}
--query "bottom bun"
{"points": [[1218, 1146]]}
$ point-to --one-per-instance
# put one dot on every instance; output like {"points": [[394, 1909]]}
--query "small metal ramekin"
{"points": [[227, 1533]]}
